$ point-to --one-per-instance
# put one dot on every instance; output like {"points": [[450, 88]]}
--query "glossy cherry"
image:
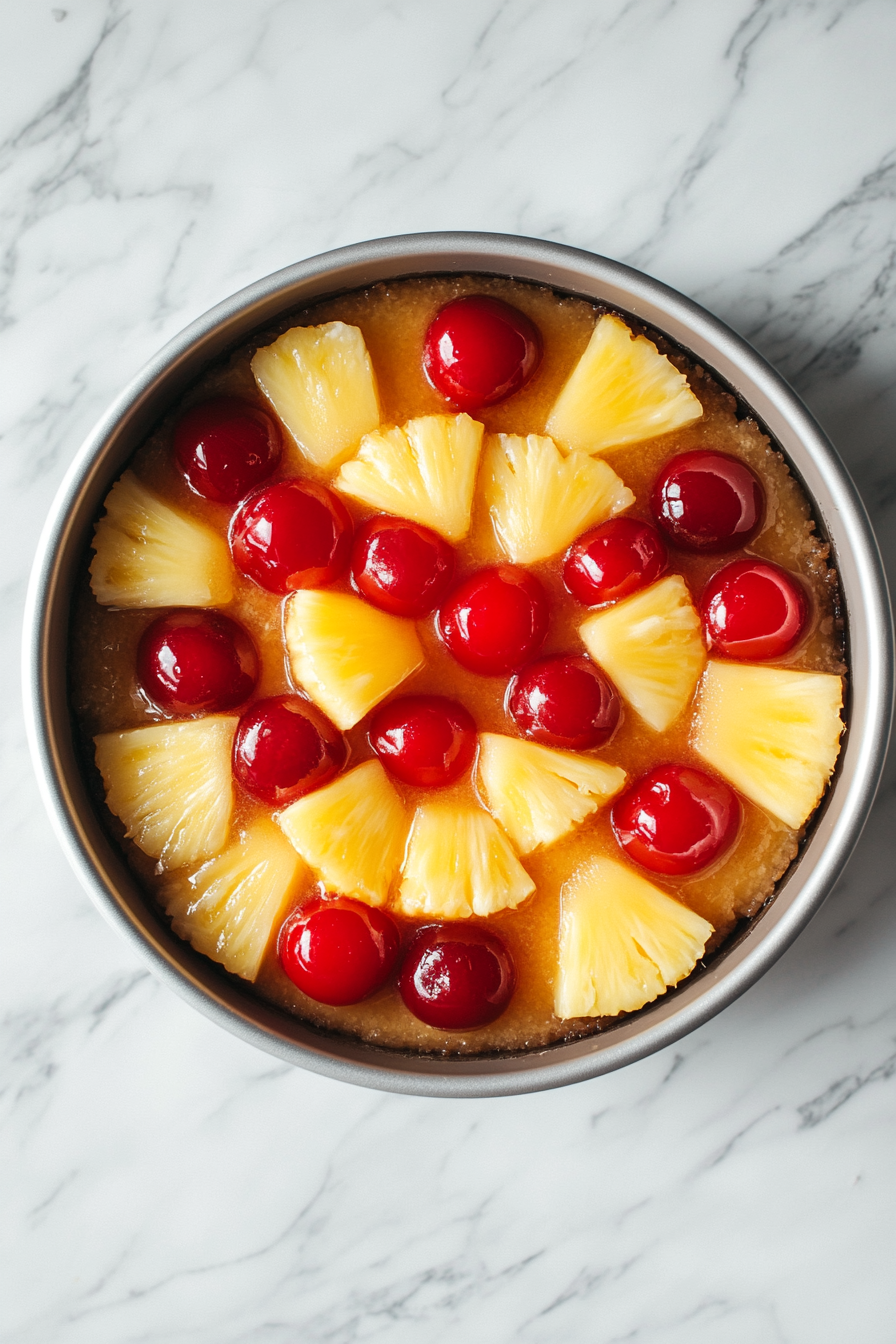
{"points": [[479, 350], [564, 701], [457, 976], [401, 566], [196, 660], [754, 610], [706, 501], [424, 739], [676, 820], [613, 561], [337, 950], [284, 747], [226, 447], [495, 619], [295, 534]]}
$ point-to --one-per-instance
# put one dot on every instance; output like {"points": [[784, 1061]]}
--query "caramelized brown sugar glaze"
{"points": [[393, 318]]}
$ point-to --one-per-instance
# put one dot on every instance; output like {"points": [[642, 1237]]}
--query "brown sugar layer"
{"points": [[393, 319]]}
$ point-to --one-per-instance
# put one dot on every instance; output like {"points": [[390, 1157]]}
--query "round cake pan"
{"points": [[838, 511]]}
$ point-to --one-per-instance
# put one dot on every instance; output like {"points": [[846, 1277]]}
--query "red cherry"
{"points": [[564, 701], [226, 447], [192, 660], [456, 977], [754, 610], [707, 501], [285, 747], [614, 560], [478, 350], [495, 619], [400, 566], [424, 739], [294, 534], [676, 820], [337, 950]]}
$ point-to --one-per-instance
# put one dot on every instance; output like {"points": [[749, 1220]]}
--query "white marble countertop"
{"points": [[165, 1182]]}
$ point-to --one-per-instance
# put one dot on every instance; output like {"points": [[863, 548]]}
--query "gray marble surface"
{"points": [[164, 1182]]}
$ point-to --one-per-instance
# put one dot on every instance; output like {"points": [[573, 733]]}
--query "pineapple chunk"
{"points": [[230, 907], [621, 391], [171, 786], [345, 653], [150, 555], [351, 832], [539, 500], [425, 471], [774, 733], [623, 942], [458, 863], [651, 646], [539, 794], [320, 382]]}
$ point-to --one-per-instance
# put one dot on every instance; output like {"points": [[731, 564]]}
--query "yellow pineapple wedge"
{"points": [[150, 555], [539, 500], [537, 793], [351, 832], [623, 942], [458, 863], [425, 471], [774, 733], [621, 391], [230, 907], [171, 786], [345, 653], [651, 647], [320, 382]]}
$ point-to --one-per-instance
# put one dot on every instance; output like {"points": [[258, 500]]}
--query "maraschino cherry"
{"points": [[613, 561], [707, 501], [479, 350], [564, 701], [196, 660], [295, 534], [284, 747], [457, 977], [495, 619], [337, 950], [754, 610], [400, 566], [226, 447], [424, 739], [676, 820]]}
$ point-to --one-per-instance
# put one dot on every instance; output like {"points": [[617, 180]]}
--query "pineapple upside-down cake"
{"points": [[458, 664]]}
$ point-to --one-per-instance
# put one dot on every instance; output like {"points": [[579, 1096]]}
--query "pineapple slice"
{"points": [[351, 832], [171, 786], [540, 500], [537, 793], [230, 907], [621, 391], [345, 653], [651, 646], [623, 942], [150, 555], [458, 863], [425, 471], [774, 733], [320, 382]]}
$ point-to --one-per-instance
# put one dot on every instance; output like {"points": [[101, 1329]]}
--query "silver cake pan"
{"points": [[839, 513]]}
